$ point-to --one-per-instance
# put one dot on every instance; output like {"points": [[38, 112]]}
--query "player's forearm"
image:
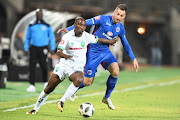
{"points": [[111, 42], [127, 48], [62, 55], [104, 40]]}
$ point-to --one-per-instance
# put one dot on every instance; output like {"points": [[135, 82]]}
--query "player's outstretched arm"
{"points": [[62, 55], [62, 30], [111, 42]]}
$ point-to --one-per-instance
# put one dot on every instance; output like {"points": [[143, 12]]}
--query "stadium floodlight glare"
{"points": [[141, 30]]}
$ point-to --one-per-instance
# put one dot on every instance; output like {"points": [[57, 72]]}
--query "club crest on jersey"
{"points": [[110, 33], [43, 27], [89, 72], [57, 69], [62, 42], [72, 44], [117, 29], [97, 17], [82, 44]]}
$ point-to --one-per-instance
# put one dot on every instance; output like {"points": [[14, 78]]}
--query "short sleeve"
{"points": [[63, 43]]}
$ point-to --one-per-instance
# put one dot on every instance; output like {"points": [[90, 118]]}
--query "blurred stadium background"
{"points": [[159, 15]]}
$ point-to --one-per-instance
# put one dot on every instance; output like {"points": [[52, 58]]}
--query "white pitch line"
{"points": [[100, 93]]}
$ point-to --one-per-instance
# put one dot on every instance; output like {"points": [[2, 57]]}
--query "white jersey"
{"points": [[76, 47]]}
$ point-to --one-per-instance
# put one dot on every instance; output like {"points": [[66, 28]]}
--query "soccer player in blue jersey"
{"points": [[108, 27]]}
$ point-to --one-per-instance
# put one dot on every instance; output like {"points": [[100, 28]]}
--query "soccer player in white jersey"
{"points": [[72, 51]]}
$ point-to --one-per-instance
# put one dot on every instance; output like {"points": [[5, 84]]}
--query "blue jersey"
{"points": [[106, 28], [39, 34]]}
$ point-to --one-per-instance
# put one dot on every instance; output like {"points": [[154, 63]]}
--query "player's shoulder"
{"points": [[86, 34], [120, 25], [68, 34], [102, 17], [107, 16]]}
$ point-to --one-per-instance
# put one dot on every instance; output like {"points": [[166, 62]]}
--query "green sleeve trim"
{"points": [[60, 47], [96, 39]]}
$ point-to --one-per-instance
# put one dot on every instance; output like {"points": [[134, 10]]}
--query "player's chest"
{"points": [[111, 29], [76, 43]]}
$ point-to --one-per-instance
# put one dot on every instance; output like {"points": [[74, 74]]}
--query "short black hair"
{"points": [[121, 7]]}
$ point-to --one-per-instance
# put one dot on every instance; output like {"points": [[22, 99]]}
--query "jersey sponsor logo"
{"points": [[107, 36], [62, 42], [117, 29], [82, 43], [110, 33], [108, 24], [97, 17], [89, 72], [75, 48]]}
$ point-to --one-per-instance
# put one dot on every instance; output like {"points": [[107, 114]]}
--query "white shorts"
{"points": [[64, 71]]}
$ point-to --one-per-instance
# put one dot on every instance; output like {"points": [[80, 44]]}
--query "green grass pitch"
{"points": [[150, 94]]}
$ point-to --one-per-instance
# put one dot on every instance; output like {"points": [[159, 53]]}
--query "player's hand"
{"points": [[113, 41], [62, 30], [136, 65]]}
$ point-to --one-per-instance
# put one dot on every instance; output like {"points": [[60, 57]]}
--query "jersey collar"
{"points": [[111, 20]]}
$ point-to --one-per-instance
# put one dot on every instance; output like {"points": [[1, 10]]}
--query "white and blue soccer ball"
{"points": [[86, 109]]}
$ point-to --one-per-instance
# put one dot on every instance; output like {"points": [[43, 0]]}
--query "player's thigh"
{"points": [[113, 68], [110, 63], [92, 62]]}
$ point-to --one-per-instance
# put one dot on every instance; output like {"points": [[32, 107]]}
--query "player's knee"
{"points": [[115, 73], [79, 80], [48, 89], [88, 82]]}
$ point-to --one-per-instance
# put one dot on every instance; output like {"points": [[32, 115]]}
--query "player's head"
{"points": [[80, 26], [39, 14], [119, 13]]}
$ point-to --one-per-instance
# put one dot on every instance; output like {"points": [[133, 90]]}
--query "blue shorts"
{"points": [[94, 58]]}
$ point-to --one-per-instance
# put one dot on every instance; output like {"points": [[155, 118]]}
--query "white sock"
{"points": [[41, 99], [69, 92]]}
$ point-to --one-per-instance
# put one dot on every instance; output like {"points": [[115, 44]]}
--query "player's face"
{"points": [[80, 26], [118, 15]]}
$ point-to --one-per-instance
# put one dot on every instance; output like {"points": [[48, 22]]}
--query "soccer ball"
{"points": [[86, 109]]}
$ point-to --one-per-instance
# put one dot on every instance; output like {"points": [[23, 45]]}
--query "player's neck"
{"points": [[78, 34]]}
